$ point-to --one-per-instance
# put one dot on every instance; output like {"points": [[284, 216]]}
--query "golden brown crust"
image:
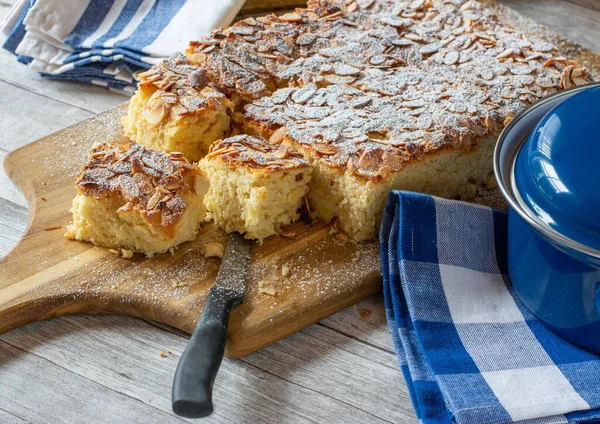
{"points": [[178, 89], [255, 153], [368, 86], [150, 183]]}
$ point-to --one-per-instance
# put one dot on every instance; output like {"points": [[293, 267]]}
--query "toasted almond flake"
{"points": [[155, 115], [343, 69], [337, 79], [554, 60], [306, 39], [451, 58], [505, 54], [291, 17], [153, 201], [198, 57], [281, 152], [54, 227]]}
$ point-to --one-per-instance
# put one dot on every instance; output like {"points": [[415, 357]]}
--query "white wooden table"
{"points": [[92, 369]]}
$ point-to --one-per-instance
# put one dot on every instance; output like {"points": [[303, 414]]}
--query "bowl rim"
{"points": [[504, 174]]}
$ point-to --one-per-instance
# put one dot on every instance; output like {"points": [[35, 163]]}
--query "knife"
{"points": [[199, 364]]}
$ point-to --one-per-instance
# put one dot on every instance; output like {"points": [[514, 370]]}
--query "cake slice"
{"points": [[137, 199], [176, 109], [255, 187]]}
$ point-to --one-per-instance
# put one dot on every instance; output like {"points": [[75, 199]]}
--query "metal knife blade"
{"points": [[231, 278], [200, 361]]}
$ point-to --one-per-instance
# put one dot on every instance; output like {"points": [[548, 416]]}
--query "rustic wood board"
{"points": [[47, 276]]}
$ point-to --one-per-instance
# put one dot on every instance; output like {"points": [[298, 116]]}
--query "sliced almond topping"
{"points": [[554, 60], [291, 17], [155, 115], [278, 136], [153, 201], [281, 152], [198, 58]]}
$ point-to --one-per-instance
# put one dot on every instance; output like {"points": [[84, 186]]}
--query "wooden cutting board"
{"points": [[47, 275]]}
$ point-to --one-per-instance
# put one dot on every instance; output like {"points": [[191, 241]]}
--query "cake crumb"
{"points": [[285, 270], [213, 249], [169, 352], [341, 236], [127, 254], [115, 252], [355, 256], [163, 355], [96, 145], [54, 227], [364, 313], [267, 287]]}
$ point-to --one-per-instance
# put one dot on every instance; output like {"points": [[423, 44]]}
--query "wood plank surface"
{"points": [[255, 394]]}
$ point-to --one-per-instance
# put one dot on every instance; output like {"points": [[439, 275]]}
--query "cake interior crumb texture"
{"points": [[252, 191], [100, 222], [359, 204]]}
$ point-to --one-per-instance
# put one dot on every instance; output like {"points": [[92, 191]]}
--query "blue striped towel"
{"points": [[469, 349], [104, 42]]}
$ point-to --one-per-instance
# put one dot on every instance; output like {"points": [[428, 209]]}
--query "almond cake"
{"points": [[255, 187], [137, 199], [375, 95]]}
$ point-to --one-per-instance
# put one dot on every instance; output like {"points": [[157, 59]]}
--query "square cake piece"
{"points": [[175, 109], [255, 187], [137, 199]]}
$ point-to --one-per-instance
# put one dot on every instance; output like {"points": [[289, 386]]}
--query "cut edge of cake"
{"points": [[255, 187]]}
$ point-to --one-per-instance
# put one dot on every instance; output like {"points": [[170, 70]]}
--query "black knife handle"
{"points": [[199, 364]]}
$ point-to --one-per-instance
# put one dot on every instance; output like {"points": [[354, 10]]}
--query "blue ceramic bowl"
{"points": [[547, 164]]}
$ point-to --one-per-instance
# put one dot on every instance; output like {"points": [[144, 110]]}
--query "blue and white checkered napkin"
{"points": [[469, 349], [104, 42]]}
